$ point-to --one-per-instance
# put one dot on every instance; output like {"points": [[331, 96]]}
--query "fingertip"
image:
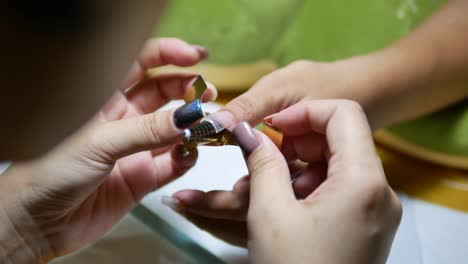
{"points": [[202, 51], [172, 203], [210, 94], [183, 157], [188, 197], [178, 52], [242, 186], [190, 94]]}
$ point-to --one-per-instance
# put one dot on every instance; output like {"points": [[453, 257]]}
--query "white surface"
{"points": [[442, 232], [405, 247]]}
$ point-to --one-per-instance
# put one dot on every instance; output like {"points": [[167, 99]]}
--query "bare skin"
{"points": [[351, 217]]}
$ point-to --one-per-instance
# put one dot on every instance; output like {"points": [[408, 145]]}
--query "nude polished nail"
{"points": [[246, 137]]}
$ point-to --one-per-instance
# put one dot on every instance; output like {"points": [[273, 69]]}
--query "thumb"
{"points": [[266, 97], [113, 140], [269, 173]]}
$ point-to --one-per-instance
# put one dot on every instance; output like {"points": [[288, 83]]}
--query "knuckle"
{"points": [[151, 52], [375, 194], [351, 106], [149, 127], [272, 85], [262, 162], [243, 106], [299, 64]]}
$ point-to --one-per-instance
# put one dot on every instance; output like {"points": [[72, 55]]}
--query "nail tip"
{"points": [[170, 202], [202, 51], [268, 119]]}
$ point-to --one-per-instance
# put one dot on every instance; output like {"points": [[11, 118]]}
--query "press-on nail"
{"points": [[170, 202], [187, 114], [246, 137]]}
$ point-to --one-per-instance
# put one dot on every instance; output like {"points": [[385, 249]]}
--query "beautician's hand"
{"points": [[351, 217], [74, 194]]}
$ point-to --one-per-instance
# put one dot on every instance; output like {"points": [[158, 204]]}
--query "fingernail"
{"points": [[246, 137], [269, 119], [188, 114], [171, 202], [202, 51], [184, 152]]}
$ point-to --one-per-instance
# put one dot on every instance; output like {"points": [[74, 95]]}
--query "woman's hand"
{"points": [[74, 194], [299, 81], [351, 217]]}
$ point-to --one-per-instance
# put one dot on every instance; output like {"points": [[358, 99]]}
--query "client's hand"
{"points": [[353, 214]]}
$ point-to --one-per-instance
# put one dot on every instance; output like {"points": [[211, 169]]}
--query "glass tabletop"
{"points": [[182, 241], [217, 168]]}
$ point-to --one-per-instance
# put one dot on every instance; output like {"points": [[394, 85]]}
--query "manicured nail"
{"points": [[269, 119], [171, 202], [202, 51], [184, 152], [246, 137], [188, 114]]}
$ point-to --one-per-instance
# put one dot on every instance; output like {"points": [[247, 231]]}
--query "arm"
{"points": [[420, 73], [71, 196]]}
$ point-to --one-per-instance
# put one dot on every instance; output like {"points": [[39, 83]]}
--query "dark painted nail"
{"points": [[246, 137], [202, 51], [188, 114]]}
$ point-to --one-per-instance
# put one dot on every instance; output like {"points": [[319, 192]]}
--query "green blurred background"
{"points": [[281, 31]]}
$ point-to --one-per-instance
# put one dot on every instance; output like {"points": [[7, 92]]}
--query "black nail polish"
{"points": [[187, 114]]}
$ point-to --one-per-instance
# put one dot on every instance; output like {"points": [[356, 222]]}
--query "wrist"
{"points": [[21, 238]]}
